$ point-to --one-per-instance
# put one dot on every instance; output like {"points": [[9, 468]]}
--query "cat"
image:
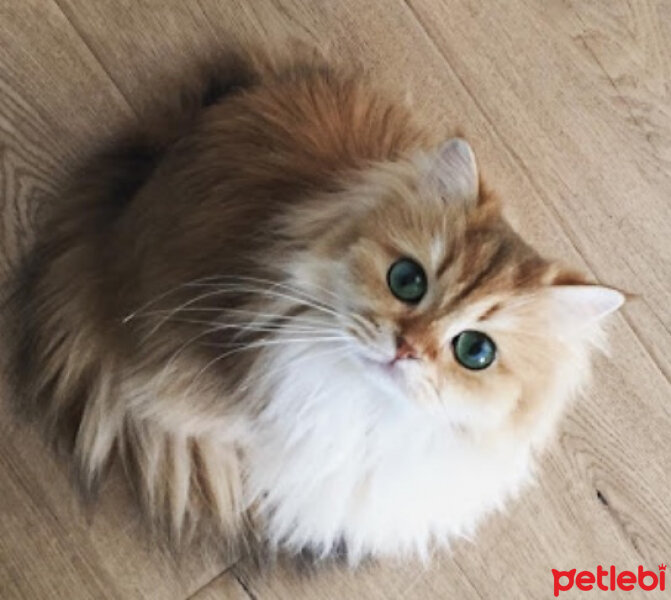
{"points": [[299, 320]]}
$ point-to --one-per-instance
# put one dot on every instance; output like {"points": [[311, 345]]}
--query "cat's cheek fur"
{"points": [[335, 459]]}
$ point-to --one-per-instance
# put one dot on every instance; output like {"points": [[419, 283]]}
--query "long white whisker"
{"points": [[316, 304], [254, 345], [280, 283], [242, 327], [215, 328], [202, 281], [225, 290], [279, 341], [178, 309], [238, 311], [163, 295]]}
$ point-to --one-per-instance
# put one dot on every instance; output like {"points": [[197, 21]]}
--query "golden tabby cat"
{"points": [[297, 318]]}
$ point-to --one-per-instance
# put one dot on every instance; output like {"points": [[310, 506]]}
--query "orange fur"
{"points": [[115, 348]]}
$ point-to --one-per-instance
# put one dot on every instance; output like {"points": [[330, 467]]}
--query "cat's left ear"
{"points": [[455, 170], [577, 306]]}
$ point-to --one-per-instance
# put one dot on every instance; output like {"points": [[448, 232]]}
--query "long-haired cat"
{"points": [[297, 318]]}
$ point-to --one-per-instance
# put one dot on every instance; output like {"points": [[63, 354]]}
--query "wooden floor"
{"points": [[568, 105]]}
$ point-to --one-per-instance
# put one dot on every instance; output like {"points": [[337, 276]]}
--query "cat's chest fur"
{"points": [[334, 458]]}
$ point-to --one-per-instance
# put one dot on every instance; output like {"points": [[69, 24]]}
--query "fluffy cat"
{"points": [[297, 319]]}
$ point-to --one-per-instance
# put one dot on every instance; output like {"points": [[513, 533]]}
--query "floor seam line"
{"points": [[209, 582], [84, 39], [245, 586]]}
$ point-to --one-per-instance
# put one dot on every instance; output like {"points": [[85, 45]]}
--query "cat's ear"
{"points": [[455, 170], [577, 306]]}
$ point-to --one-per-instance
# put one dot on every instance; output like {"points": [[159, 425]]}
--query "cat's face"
{"points": [[443, 303]]}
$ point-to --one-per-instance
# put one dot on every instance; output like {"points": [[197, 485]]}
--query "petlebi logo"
{"points": [[610, 579]]}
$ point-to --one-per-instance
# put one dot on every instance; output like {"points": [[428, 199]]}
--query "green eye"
{"points": [[474, 350], [407, 280]]}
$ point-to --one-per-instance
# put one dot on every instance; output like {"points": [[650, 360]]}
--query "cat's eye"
{"points": [[407, 280], [474, 350]]}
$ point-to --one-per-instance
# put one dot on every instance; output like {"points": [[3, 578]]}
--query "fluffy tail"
{"points": [[58, 318]]}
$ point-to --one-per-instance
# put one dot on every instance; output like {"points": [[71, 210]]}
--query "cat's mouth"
{"points": [[385, 366]]}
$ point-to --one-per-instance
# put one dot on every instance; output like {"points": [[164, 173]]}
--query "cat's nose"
{"points": [[404, 349]]}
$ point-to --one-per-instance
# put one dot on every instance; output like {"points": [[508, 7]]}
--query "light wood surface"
{"points": [[568, 105]]}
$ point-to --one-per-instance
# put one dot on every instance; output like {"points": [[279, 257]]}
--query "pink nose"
{"points": [[404, 349]]}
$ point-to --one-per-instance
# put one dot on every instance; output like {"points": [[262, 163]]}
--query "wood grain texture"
{"points": [[568, 105], [55, 105], [54, 547]]}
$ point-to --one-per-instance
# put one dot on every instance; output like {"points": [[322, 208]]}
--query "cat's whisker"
{"points": [[365, 330], [179, 351], [252, 327], [279, 283], [268, 375], [270, 317], [298, 296], [279, 341], [314, 303], [367, 327], [238, 289], [159, 297], [178, 309], [215, 328], [276, 316], [256, 345], [357, 334], [295, 293], [203, 282]]}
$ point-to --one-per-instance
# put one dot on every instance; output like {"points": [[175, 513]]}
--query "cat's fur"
{"points": [[210, 306]]}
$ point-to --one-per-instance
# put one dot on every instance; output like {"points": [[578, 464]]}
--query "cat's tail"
{"points": [[53, 295], [61, 359], [66, 351]]}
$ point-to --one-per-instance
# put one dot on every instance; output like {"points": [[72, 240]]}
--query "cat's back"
{"points": [[289, 134], [306, 122]]}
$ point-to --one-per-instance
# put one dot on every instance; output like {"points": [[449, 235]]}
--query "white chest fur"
{"points": [[334, 458]]}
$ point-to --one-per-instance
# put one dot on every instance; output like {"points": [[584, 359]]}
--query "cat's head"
{"points": [[442, 301]]}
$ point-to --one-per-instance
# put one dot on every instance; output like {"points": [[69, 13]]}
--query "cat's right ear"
{"points": [[456, 172], [576, 306]]}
